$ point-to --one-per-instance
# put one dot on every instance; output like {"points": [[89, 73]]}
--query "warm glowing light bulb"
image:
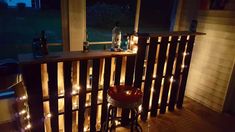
{"points": [[49, 115], [182, 66], [152, 89], [28, 127], [128, 92], [22, 112], [23, 97], [28, 116], [172, 79], [74, 92], [185, 53], [140, 108]]}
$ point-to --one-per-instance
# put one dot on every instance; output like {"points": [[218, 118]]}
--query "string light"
{"points": [[28, 127], [172, 79], [182, 66], [140, 108], [185, 53], [128, 92], [22, 112], [23, 98], [28, 116], [49, 115], [152, 90]]}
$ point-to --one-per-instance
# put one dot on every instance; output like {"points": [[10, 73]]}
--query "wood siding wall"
{"points": [[213, 56]]}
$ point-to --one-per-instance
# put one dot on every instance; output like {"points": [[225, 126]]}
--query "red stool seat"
{"points": [[124, 96]]}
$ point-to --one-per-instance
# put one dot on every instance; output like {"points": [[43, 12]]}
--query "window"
{"points": [[23, 20], [103, 14]]}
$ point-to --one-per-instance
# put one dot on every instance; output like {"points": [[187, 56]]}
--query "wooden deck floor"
{"points": [[194, 117]]}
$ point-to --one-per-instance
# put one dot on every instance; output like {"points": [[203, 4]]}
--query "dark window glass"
{"points": [[23, 20], [103, 14]]}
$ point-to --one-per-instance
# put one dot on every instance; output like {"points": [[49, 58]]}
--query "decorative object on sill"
{"points": [[86, 44], [43, 43], [193, 26], [133, 42], [39, 46], [116, 38]]}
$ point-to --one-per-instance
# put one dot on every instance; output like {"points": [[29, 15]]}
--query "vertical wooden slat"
{"points": [[159, 74], [130, 66], [74, 73], [170, 62], [82, 94], [32, 80], [67, 68], [175, 85], [53, 94], [185, 71], [94, 94], [142, 43], [118, 69], [148, 78], [107, 73]]}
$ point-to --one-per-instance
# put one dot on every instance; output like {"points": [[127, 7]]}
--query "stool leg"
{"points": [[105, 125], [137, 125], [113, 116], [132, 119]]}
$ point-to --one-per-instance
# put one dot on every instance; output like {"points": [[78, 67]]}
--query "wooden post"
{"points": [[82, 94], [137, 16], [53, 94], [68, 97], [94, 93], [107, 73]]}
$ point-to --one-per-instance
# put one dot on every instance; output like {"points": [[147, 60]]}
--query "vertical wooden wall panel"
{"points": [[175, 85], [142, 43], [118, 69], [130, 66], [67, 66], [159, 75], [149, 77], [32, 80], [74, 73], [185, 71], [170, 62], [107, 75], [82, 94], [52, 69], [94, 93]]}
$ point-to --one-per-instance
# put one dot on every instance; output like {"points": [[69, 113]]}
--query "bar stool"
{"points": [[127, 97]]}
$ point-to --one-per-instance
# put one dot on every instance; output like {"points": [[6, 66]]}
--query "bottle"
{"points": [[43, 42], [86, 44], [36, 48], [116, 37]]}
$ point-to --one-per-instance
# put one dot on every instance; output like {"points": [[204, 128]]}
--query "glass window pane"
{"points": [[103, 14], [23, 20]]}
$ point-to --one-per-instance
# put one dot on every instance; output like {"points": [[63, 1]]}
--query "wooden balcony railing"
{"points": [[68, 91]]}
